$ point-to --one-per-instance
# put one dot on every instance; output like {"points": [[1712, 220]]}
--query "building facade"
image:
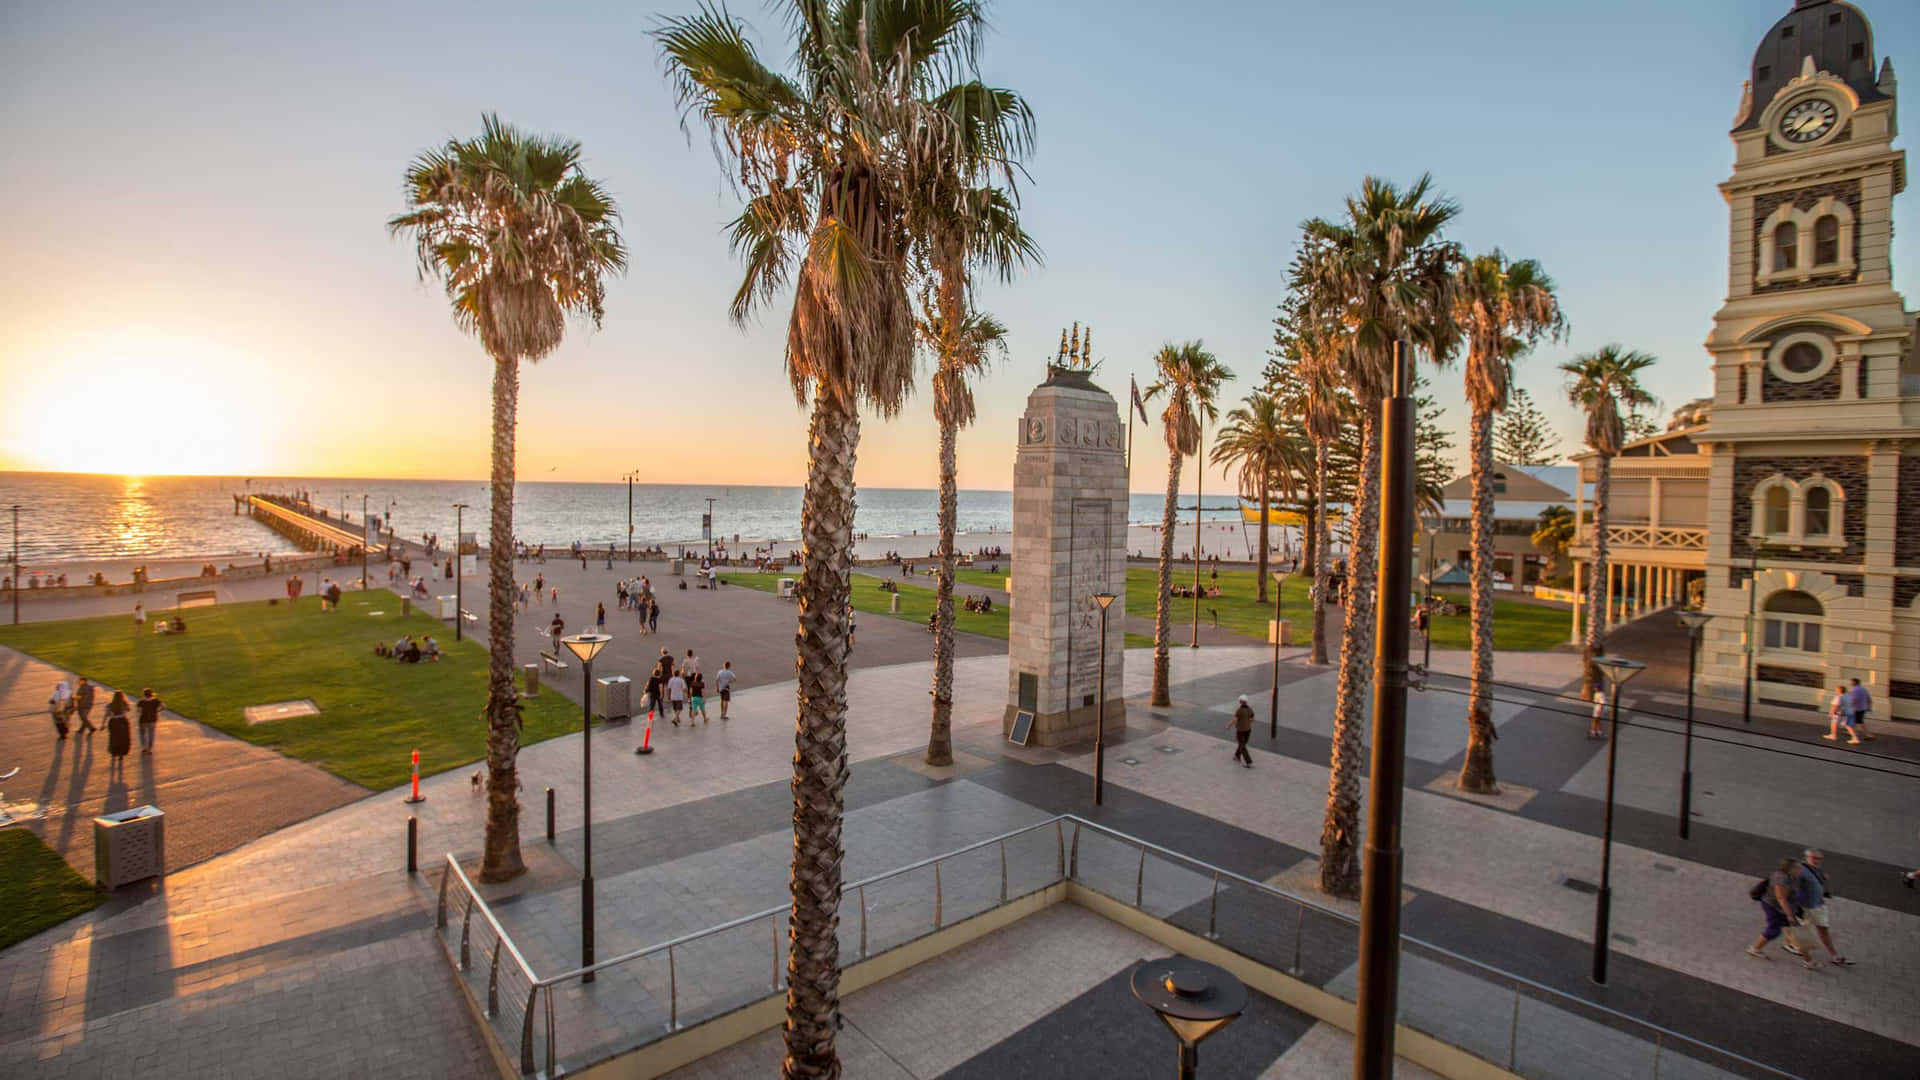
{"points": [[1520, 493], [1810, 453]]}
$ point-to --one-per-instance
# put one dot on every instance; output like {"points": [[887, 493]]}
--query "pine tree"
{"points": [[1523, 435], [1431, 442], [1640, 426]]}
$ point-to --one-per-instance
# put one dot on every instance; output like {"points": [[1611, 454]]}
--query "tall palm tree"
{"points": [[1502, 309], [1258, 444], [828, 159], [964, 351], [1190, 378], [1325, 414], [1384, 268], [1600, 383], [521, 237]]}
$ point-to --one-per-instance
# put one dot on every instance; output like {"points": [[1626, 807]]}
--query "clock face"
{"points": [[1808, 120]]}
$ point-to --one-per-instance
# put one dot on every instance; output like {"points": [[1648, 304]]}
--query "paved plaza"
{"points": [[314, 930]]}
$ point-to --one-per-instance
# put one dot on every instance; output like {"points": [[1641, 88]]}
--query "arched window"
{"points": [[1826, 241], [1786, 244], [1792, 622], [1779, 509], [1819, 512]]}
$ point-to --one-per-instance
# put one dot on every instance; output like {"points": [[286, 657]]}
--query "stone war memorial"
{"points": [[1069, 544]]}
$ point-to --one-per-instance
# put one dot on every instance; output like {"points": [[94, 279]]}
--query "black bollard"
{"points": [[413, 844], [549, 815]]}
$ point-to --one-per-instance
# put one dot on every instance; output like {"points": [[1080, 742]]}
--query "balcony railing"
{"points": [[557, 1024], [1645, 535]]}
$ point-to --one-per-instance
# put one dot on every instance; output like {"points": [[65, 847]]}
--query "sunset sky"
{"points": [[197, 277]]}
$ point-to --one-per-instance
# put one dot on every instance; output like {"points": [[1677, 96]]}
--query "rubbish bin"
{"points": [[530, 679], [613, 697], [677, 567], [446, 607], [786, 588], [893, 603], [129, 846]]}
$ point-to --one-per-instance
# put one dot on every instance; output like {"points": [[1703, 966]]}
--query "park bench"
{"points": [[197, 598], [549, 660]]}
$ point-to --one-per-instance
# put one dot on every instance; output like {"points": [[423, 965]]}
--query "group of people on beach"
{"points": [[682, 687], [73, 702], [636, 595]]}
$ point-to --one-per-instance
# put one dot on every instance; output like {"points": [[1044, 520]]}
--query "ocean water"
{"points": [[85, 516]]}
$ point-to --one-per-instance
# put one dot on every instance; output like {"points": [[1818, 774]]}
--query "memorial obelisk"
{"points": [[1069, 544]]}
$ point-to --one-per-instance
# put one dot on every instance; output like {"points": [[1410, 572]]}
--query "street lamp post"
{"points": [[1617, 670], [585, 647], [1753, 591], [1195, 1000], [363, 543], [459, 605], [1695, 621], [708, 527], [1105, 600], [629, 478], [1273, 707]]}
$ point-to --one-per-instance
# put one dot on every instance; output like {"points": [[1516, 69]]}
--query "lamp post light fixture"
{"points": [[1617, 670], [585, 647], [1273, 706], [1695, 621], [459, 606], [1193, 998], [1105, 600]]}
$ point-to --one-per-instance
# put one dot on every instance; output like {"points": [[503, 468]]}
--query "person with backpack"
{"points": [[1813, 907], [1777, 894], [723, 681]]}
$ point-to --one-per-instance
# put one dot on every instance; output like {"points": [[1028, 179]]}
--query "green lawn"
{"points": [[916, 603], [373, 712], [1518, 626], [38, 889]]}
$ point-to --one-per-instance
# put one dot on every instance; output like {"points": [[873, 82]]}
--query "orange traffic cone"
{"points": [[646, 741]]}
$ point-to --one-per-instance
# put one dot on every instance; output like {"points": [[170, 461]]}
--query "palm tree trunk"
{"points": [[500, 860], [1597, 613], [820, 740], [1340, 834], [1260, 564], [1163, 599], [940, 741], [1476, 772], [1320, 561]]}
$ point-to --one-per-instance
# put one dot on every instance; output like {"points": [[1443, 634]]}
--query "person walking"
{"points": [[1814, 891], [149, 707], [1840, 716], [697, 706], [1860, 702], [59, 704], [556, 629], [539, 586], [677, 696], [723, 682], [1594, 730], [83, 705], [139, 617], [1778, 906], [119, 731], [1242, 724], [653, 617], [600, 618]]}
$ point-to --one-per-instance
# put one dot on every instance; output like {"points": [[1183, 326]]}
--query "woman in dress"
{"points": [[119, 730]]}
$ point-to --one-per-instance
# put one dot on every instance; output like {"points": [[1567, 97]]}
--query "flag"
{"points": [[1139, 406]]}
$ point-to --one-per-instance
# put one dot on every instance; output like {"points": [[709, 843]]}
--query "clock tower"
{"points": [[1812, 565]]}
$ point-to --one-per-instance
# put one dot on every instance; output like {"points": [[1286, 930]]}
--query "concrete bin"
{"points": [[1282, 631], [530, 679], [677, 567], [613, 697], [129, 846], [447, 609]]}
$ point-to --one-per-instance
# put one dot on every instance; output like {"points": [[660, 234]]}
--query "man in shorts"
{"points": [[1859, 701], [1779, 906], [723, 682], [1813, 907]]}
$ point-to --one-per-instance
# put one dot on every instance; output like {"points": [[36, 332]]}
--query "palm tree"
{"points": [[1385, 270], [1600, 383], [828, 159], [1190, 377], [1324, 411], [521, 238], [963, 352], [1257, 443], [1502, 309]]}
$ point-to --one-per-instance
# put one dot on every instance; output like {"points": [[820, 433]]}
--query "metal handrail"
{"points": [[1497, 974], [486, 912], [1069, 871], [746, 920]]}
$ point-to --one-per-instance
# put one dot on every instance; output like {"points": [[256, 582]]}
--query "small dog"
{"points": [[476, 780]]}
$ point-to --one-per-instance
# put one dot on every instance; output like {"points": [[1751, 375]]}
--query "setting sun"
{"points": [[145, 407]]}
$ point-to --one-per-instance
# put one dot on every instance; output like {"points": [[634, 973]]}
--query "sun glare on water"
{"points": [[156, 411]]}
